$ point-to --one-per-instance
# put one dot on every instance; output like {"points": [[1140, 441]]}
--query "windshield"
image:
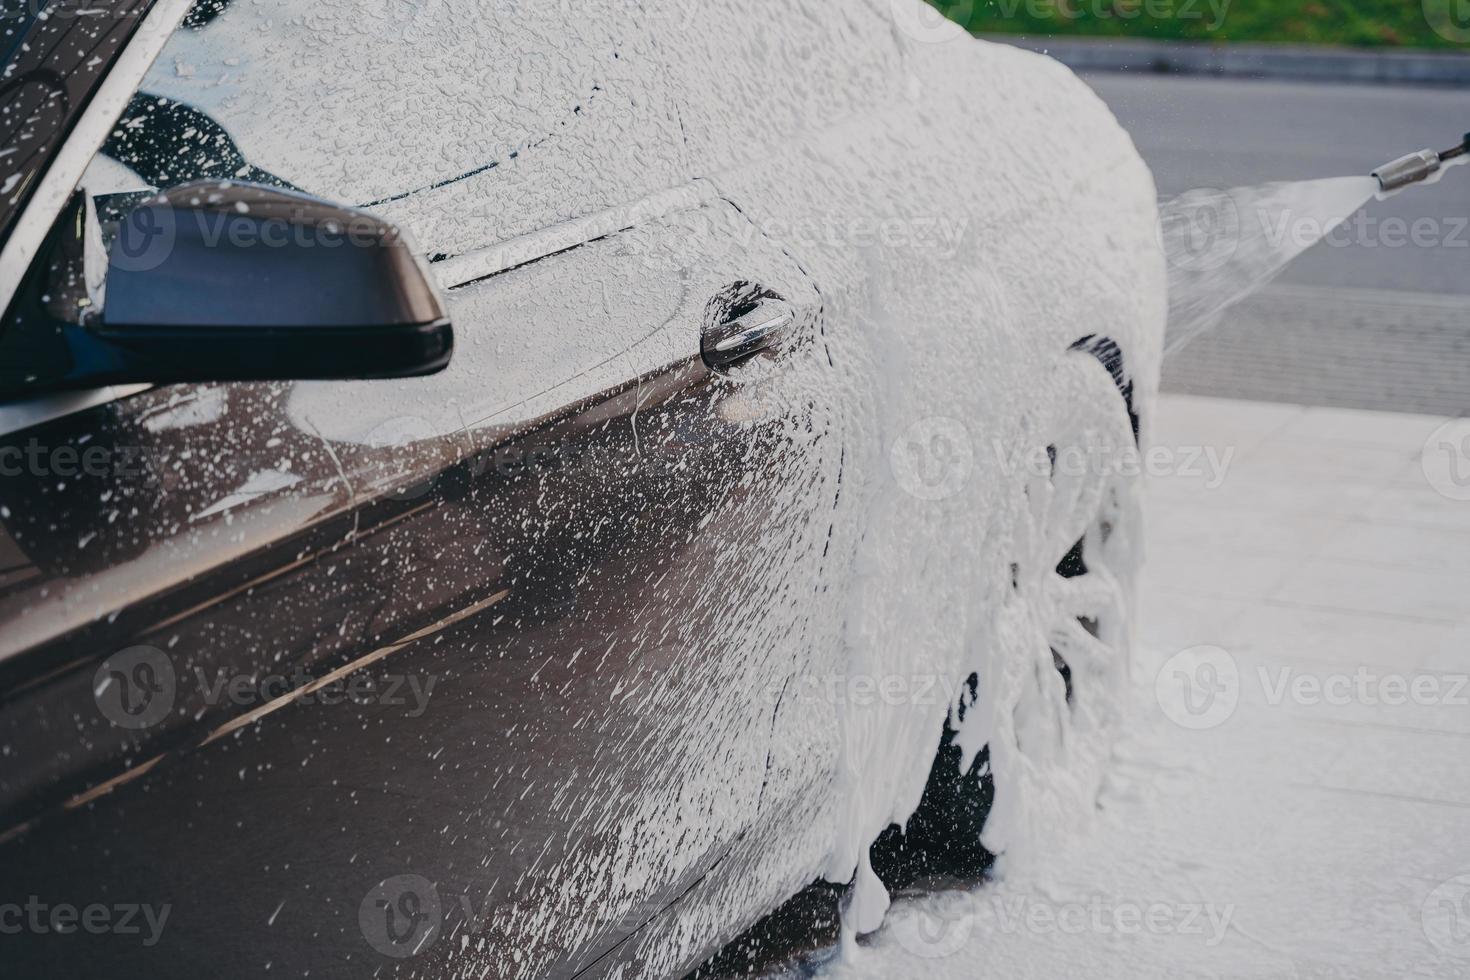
{"points": [[56, 54]]}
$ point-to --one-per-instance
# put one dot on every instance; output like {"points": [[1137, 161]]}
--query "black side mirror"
{"points": [[216, 281], [224, 281]]}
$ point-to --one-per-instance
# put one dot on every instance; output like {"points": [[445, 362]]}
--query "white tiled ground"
{"points": [[1337, 835], [1325, 552], [1318, 511]]}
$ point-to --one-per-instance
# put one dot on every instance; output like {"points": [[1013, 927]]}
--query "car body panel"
{"points": [[960, 254], [481, 553], [464, 124], [628, 580]]}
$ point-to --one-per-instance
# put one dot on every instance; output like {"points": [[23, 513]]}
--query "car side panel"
{"points": [[569, 598], [973, 213]]}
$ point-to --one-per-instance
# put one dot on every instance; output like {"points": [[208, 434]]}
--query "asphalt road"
{"points": [[1373, 319], [1209, 132]]}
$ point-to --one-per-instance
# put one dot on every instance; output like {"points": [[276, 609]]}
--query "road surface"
{"points": [[1208, 132], [1376, 322]]}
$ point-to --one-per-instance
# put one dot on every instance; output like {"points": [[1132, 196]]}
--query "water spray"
{"points": [[1417, 167], [1223, 246]]}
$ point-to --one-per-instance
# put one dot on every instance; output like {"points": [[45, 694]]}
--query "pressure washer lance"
{"points": [[1417, 167]]}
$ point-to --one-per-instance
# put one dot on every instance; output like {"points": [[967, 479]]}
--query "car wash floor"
{"points": [[1291, 800]]}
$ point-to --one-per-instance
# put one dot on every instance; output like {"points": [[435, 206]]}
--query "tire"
{"points": [[942, 842]]}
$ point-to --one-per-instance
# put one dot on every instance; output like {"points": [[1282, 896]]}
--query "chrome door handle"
{"points": [[739, 338]]}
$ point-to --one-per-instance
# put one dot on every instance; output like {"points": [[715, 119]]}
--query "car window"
{"points": [[468, 122], [54, 57]]}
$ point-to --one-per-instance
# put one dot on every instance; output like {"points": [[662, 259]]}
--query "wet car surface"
{"points": [[541, 662]]}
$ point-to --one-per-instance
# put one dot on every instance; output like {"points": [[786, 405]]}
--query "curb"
{"points": [[1288, 61]]}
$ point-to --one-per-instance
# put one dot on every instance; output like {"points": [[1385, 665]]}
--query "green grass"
{"points": [[1362, 23]]}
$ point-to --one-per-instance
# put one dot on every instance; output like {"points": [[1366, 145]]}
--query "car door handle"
{"points": [[760, 326]]}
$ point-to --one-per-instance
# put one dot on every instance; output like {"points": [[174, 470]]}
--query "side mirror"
{"points": [[222, 281], [214, 281]]}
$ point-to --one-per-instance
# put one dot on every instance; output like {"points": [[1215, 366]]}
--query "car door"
{"points": [[472, 672]]}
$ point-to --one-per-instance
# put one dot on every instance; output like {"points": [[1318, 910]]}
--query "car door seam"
{"points": [[346, 481], [770, 748], [800, 267]]}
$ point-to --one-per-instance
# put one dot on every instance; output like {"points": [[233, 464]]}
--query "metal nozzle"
{"points": [[1416, 167]]}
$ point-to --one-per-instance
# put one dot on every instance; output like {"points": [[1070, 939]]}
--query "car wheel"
{"points": [[1065, 626]]}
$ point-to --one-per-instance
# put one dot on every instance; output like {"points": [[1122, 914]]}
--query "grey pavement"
{"points": [[1210, 132], [1374, 322], [1347, 348]]}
